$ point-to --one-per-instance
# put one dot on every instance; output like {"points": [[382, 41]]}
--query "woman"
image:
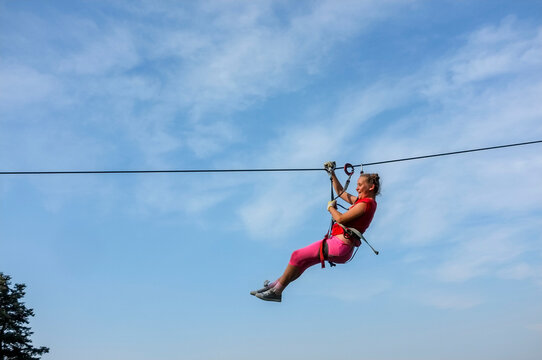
{"points": [[339, 245]]}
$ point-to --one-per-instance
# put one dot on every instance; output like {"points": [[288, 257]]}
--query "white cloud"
{"points": [[497, 50], [450, 301], [195, 195], [306, 145], [251, 54], [481, 253], [205, 140], [489, 53], [346, 288], [115, 51], [22, 85], [427, 199], [220, 58], [423, 212], [279, 205], [519, 271], [252, 58]]}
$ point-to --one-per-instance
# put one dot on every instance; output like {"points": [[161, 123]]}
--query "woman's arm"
{"points": [[349, 216], [351, 199]]}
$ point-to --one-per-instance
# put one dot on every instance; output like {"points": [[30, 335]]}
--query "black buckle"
{"points": [[326, 253]]}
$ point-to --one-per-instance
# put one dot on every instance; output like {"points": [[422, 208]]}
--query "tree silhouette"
{"points": [[15, 343]]}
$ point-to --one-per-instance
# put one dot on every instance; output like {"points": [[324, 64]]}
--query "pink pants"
{"points": [[306, 257]]}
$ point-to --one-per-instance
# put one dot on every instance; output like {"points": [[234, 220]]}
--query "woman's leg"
{"points": [[299, 262], [308, 256], [290, 274]]}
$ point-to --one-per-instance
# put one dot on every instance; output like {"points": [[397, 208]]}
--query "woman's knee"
{"points": [[304, 258], [297, 258]]}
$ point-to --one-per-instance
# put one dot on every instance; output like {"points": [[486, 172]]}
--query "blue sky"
{"points": [[160, 266]]}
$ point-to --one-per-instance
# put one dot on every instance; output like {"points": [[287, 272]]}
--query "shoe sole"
{"points": [[269, 299]]}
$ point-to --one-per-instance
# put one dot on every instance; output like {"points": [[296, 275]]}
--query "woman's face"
{"points": [[364, 188]]}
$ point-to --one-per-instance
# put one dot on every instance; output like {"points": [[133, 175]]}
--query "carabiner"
{"points": [[348, 169]]}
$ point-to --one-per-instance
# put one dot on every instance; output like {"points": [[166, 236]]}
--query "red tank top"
{"points": [[362, 223]]}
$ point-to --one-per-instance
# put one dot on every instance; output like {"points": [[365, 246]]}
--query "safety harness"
{"points": [[350, 233]]}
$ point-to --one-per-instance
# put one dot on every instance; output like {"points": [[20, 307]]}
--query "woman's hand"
{"points": [[332, 203], [330, 167]]}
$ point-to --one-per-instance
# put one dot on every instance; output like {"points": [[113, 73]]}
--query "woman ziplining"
{"points": [[345, 234]]}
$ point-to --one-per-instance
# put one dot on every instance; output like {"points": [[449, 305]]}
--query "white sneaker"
{"points": [[269, 295], [265, 288]]}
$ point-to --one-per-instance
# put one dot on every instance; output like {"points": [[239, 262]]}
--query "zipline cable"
{"points": [[256, 170], [449, 153]]}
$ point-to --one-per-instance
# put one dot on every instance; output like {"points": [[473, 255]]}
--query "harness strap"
{"points": [[324, 253], [349, 170], [350, 231], [322, 257]]}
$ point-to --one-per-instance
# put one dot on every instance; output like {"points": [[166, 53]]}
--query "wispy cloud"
{"points": [[347, 288], [256, 54], [424, 201], [278, 205], [114, 51], [22, 85], [479, 254], [188, 77], [240, 84], [183, 108], [450, 301], [521, 271], [496, 51]]}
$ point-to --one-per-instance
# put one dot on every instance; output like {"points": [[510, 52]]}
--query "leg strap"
{"points": [[324, 253]]}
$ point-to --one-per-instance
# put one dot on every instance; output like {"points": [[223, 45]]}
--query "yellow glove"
{"points": [[329, 166], [332, 204]]}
